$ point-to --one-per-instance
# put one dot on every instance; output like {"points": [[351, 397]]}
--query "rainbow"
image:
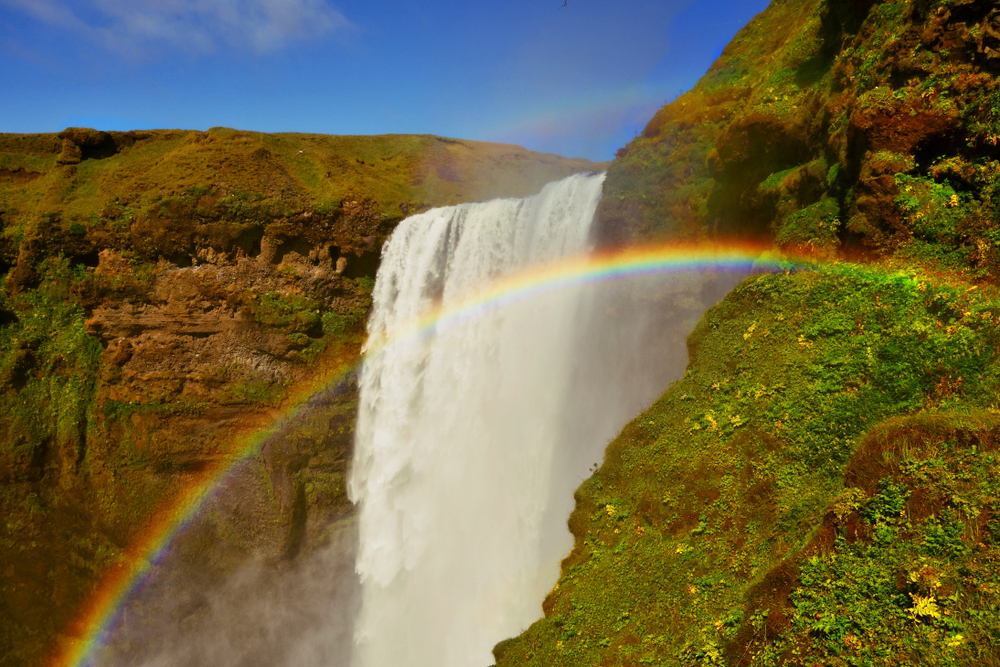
{"points": [[100, 615]]}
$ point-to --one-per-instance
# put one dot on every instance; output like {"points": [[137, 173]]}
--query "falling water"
{"points": [[471, 439], [470, 442]]}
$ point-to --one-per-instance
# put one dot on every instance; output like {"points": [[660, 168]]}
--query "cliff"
{"points": [[820, 486], [166, 294], [864, 129]]}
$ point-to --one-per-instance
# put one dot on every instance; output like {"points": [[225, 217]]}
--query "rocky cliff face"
{"points": [[164, 294], [860, 128]]}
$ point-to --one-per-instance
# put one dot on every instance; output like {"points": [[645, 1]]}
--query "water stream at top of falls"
{"points": [[471, 438]]}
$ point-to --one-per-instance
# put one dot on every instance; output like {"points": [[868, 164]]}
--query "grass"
{"points": [[907, 575], [248, 174], [817, 488]]}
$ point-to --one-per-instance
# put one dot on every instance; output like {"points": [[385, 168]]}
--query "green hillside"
{"points": [[820, 487]]}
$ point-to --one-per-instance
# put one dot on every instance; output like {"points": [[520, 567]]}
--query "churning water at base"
{"points": [[472, 437]]}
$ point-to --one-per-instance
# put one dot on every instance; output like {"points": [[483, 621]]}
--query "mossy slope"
{"points": [[819, 488], [832, 126], [782, 481], [178, 194]]}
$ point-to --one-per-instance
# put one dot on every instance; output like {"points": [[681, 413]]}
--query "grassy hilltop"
{"points": [[163, 293], [821, 486]]}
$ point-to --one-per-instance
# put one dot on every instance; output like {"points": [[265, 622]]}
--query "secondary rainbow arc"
{"points": [[100, 615]]}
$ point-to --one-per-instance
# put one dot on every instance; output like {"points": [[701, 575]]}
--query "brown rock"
{"points": [[118, 353], [900, 129]]}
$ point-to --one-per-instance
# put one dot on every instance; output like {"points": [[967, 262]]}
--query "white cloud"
{"points": [[141, 27]]}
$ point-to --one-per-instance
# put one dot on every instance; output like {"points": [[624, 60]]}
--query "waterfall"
{"points": [[472, 437], [454, 440]]}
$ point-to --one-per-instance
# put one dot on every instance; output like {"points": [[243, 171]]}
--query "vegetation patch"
{"points": [[289, 312]]}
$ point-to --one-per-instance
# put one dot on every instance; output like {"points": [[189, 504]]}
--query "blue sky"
{"points": [[578, 80]]}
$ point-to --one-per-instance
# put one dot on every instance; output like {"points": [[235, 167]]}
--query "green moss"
{"points": [[49, 356], [290, 312], [740, 543], [120, 410], [890, 162], [775, 180], [339, 324], [813, 229], [907, 579], [253, 391], [873, 93], [35, 163]]}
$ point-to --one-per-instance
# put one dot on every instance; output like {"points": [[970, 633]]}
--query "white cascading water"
{"points": [[471, 438], [455, 434]]}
